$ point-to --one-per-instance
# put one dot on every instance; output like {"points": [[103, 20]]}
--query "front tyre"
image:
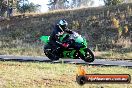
{"points": [[89, 56]]}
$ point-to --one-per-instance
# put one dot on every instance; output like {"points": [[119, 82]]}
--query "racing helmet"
{"points": [[63, 24]]}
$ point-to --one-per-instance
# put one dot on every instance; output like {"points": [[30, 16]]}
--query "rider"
{"points": [[59, 29]]}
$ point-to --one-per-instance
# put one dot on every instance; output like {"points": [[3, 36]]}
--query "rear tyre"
{"points": [[51, 56], [89, 56]]}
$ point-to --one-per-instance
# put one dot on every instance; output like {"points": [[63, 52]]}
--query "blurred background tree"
{"points": [[67, 4], [24, 6], [112, 2], [58, 4], [3, 7], [14, 6], [81, 3], [127, 1]]}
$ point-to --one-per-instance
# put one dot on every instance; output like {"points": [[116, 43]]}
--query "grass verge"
{"points": [[39, 52], [45, 75], [22, 51], [113, 55]]}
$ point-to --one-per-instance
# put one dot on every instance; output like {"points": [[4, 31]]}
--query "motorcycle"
{"points": [[80, 49]]}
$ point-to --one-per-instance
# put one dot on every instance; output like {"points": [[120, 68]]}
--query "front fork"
{"points": [[82, 51]]}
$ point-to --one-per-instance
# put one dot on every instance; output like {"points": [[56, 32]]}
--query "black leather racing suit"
{"points": [[54, 38]]}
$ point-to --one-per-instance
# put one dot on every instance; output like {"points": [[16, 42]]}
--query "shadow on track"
{"points": [[43, 61], [61, 62]]}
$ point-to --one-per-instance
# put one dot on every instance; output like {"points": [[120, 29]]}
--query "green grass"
{"points": [[45, 75]]}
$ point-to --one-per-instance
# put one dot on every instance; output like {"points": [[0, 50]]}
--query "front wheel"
{"points": [[89, 56]]}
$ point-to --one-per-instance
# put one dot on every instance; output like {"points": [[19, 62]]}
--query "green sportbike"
{"points": [[78, 50]]}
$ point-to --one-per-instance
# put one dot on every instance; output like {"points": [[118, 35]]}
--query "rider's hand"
{"points": [[65, 45]]}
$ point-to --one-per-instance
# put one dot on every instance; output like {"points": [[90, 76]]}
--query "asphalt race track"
{"points": [[102, 62]]}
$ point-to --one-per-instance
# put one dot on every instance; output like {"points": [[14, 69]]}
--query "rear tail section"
{"points": [[45, 39]]}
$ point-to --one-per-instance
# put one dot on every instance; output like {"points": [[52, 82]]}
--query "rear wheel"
{"points": [[50, 55], [89, 56]]}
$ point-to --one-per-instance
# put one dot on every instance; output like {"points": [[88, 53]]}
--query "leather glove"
{"points": [[65, 45]]}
